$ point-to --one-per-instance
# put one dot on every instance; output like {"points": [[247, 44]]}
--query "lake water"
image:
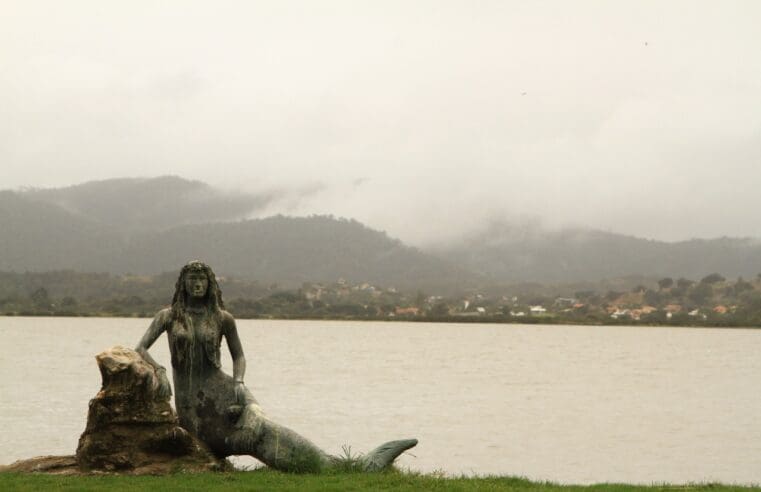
{"points": [[573, 404]]}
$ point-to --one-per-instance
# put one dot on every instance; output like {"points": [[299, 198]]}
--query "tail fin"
{"points": [[385, 454]]}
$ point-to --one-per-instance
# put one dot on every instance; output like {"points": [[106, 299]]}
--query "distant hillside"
{"points": [[525, 253], [149, 203], [147, 226], [39, 236], [292, 250]]}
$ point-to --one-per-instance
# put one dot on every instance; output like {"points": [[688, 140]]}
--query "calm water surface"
{"points": [[563, 403]]}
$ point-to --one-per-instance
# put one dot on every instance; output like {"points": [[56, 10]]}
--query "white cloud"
{"points": [[637, 116]]}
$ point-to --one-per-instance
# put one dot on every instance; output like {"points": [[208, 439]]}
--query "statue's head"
{"points": [[196, 281]]}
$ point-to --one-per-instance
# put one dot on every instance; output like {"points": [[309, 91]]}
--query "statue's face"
{"points": [[196, 284]]}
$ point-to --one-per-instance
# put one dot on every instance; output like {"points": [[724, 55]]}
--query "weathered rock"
{"points": [[56, 465], [131, 426]]}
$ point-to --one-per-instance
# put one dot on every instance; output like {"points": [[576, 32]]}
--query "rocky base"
{"points": [[67, 465], [57, 465], [131, 428]]}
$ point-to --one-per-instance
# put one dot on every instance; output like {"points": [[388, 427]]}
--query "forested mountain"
{"points": [[40, 236], [291, 250], [147, 226], [529, 253]]}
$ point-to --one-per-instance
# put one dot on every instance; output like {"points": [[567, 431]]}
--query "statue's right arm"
{"points": [[158, 326]]}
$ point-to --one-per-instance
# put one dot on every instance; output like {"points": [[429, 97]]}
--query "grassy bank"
{"points": [[271, 480]]}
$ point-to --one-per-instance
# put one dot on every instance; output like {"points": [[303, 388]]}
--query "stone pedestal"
{"points": [[130, 428]]}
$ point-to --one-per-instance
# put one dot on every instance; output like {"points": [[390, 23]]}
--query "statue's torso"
{"points": [[202, 391], [195, 347]]}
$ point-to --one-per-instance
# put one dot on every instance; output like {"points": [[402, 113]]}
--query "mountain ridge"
{"points": [[139, 204], [529, 253], [41, 236], [104, 226]]}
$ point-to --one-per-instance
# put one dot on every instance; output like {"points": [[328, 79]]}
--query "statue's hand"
{"points": [[164, 391], [240, 392]]}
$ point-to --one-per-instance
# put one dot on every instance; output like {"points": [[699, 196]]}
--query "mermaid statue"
{"points": [[217, 408]]}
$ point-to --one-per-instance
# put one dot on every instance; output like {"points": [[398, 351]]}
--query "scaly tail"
{"points": [[385, 454], [283, 449]]}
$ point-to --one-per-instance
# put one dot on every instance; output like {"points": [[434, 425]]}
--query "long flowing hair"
{"points": [[213, 299]]}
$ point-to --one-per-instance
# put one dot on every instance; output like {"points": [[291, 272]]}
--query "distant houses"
{"points": [[720, 309], [407, 311], [638, 304]]}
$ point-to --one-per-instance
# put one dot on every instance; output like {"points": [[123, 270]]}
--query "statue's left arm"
{"points": [[236, 351], [158, 326]]}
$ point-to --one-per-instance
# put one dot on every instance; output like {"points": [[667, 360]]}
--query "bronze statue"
{"points": [[217, 408]]}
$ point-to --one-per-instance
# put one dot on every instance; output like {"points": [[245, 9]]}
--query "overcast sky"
{"points": [[423, 118]]}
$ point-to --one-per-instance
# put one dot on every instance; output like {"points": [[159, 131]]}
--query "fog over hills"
{"points": [[425, 119], [147, 226], [150, 203], [116, 226], [529, 253]]}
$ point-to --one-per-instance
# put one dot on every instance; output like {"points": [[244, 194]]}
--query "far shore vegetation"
{"points": [[711, 301], [264, 479]]}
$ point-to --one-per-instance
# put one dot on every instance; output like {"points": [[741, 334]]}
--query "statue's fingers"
{"points": [[165, 390]]}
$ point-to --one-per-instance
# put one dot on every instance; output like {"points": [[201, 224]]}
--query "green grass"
{"points": [[265, 479]]}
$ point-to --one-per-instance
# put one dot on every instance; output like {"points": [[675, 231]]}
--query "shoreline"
{"points": [[547, 321]]}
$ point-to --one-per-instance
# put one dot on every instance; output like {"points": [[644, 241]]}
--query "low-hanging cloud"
{"points": [[425, 119]]}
